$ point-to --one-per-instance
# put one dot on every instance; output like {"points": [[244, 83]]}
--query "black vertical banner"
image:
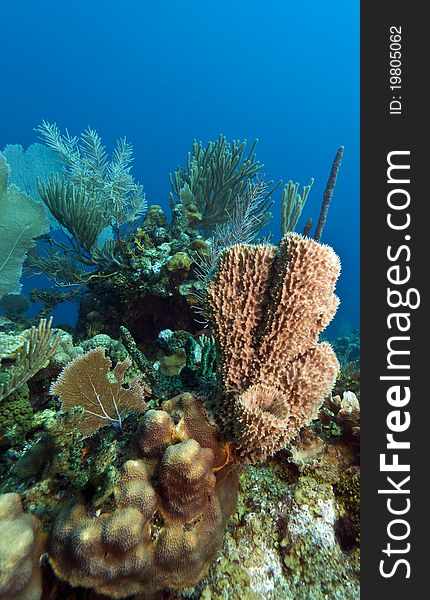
{"points": [[395, 246]]}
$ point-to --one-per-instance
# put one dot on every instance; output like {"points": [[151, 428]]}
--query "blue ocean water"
{"points": [[166, 73]]}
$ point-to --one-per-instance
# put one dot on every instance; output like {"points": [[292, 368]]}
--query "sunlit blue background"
{"points": [[167, 72]]}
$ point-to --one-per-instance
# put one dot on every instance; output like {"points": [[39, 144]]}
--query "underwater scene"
{"points": [[179, 301]]}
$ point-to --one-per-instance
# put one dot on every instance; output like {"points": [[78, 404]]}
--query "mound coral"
{"points": [[20, 551], [170, 508], [267, 308]]}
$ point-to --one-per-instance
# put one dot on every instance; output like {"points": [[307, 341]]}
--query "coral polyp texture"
{"points": [[20, 551], [267, 307], [170, 508]]}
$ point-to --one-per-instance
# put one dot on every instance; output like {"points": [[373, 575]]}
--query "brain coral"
{"points": [[168, 515], [20, 551], [267, 308]]}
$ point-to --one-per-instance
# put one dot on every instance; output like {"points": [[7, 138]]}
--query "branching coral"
{"points": [[249, 214], [215, 177], [171, 506], [293, 204], [38, 348], [94, 200], [85, 382], [87, 166], [80, 211], [267, 308]]}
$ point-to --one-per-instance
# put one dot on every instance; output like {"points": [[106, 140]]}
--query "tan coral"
{"points": [[267, 308], [87, 381], [20, 551], [156, 433], [192, 424], [186, 479], [166, 524]]}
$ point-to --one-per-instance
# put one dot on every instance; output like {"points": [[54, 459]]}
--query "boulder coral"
{"points": [[168, 515], [20, 551], [267, 307]]}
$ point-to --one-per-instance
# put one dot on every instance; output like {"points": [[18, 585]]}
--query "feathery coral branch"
{"points": [[40, 346]]}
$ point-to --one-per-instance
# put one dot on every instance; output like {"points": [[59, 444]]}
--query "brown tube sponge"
{"points": [[267, 308], [237, 297]]}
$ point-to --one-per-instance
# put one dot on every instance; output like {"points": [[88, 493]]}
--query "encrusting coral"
{"points": [[170, 509], [15, 414], [20, 551], [267, 308]]}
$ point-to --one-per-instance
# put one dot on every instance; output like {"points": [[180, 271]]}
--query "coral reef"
{"points": [[39, 346], [14, 306], [293, 204], [126, 437], [215, 176], [152, 291], [288, 538], [156, 535], [11, 343], [16, 414], [341, 416], [20, 551], [267, 309]]}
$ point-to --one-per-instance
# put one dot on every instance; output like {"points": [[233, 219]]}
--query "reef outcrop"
{"points": [[167, 517]]}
